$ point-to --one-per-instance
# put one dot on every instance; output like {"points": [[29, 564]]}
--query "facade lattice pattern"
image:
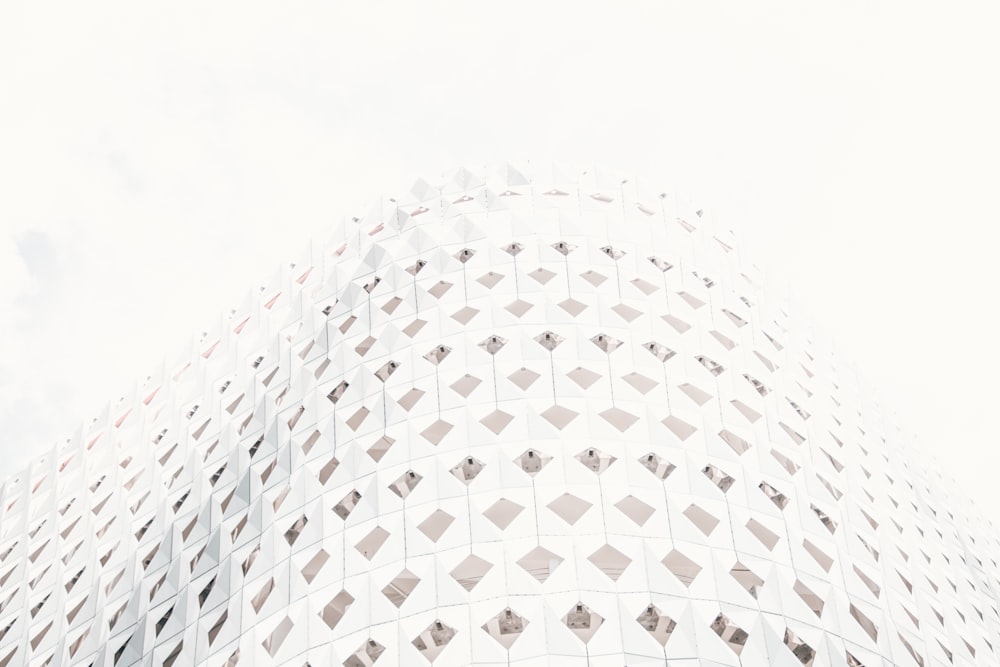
{"points": [[498, 421]]}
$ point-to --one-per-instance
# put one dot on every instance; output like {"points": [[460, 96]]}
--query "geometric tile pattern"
{"points": [[498, 420]]}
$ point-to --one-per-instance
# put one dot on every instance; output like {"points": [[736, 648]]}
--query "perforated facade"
{"points": [[500, 420]]}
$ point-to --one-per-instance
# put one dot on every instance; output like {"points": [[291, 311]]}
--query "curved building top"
{"points": [[502, 419]]}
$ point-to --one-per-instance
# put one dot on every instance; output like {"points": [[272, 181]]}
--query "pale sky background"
{"points": [[159, 159]]}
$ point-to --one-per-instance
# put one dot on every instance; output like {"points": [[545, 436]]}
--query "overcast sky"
{"points": [[159, 159]]}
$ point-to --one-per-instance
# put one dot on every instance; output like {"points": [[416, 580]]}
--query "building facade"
{"points": [[505, 419]]}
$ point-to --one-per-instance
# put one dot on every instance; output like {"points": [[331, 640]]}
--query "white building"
{"points": [[499, 420]]}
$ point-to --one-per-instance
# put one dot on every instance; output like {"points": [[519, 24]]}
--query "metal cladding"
{"points": [[500, 420]]}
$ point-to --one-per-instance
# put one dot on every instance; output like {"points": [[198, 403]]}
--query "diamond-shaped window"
{"points": [[704, 521], [919, 659], [640, 382], [562, 247], [853, 662], [490, 279], [799, 648], [610, 251], [381, 447], [519, 307], [619, 418], [438, 289], [657, 624], [505, 627], [465, 315], [315, 564], [365, 345], [679, 427], [681, 567], [540, 563], [838, 466], [336, 608], [572, 306], [372, 542], [746, 578], [503, 512], [660, 351], [595, 459], [582, 621], [830, 524], [644, 286], [559, 416], [542, 275], [866, 623], [467, 470], [661, 264], [438, 354], [523, 377], [713, 367], [793, 434], [470, 571], [636, 510], [277, 637], [261, 597], [776, 496], [723, 339], [749, 413], [366, 655], [677, 323], [757, 384], [436, 524], [465, 385], [493, 344], [386, 370], [789, 465], [400, 587], [813, 601], [355, 420], [436, 432], [718, 477], [626, 312], [338, 392], [434, 639], [797, 408], [872, 586], [766, 536], [497, 421], [293, 533], [391, 305], [606, 342], [583, 376], [738, 444], [327, 470], [818, 555], [414, 327], [410, 398], [549, 340], [513, 249], [347, 504], [569, 507], [695, 393], [405, 483], [610, 561], [734, 636], [531, 461], [656, 465], [834, 491]]}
